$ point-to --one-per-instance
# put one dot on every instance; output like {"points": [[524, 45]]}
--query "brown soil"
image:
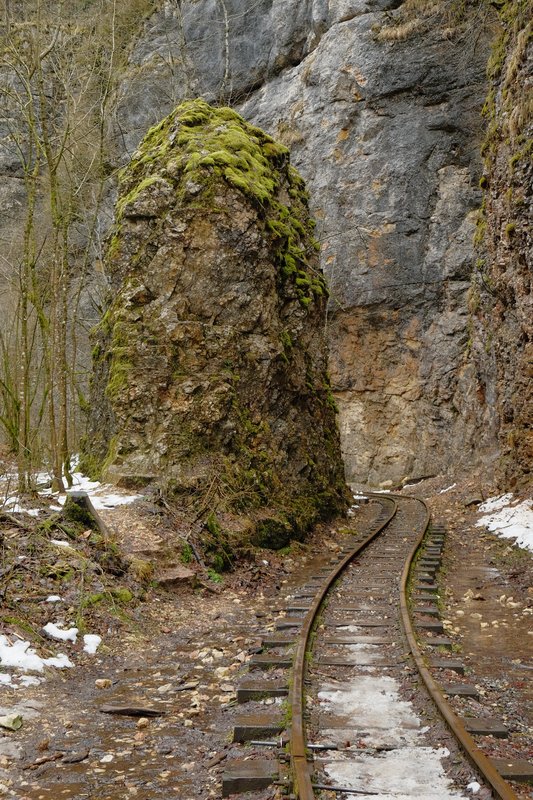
{"points": [[181, 653]]}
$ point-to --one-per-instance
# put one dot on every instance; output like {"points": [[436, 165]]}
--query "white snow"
{"points": [[12, 505], [448, 488], [370, 712], [102, 495], [29, 680], [509, 519], [21, 656], [473, 787], [92, 642], [495, 503], [53, 598], [61, 543], [403, 774], [55, 632]]}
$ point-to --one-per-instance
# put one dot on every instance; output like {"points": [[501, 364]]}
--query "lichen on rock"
{"points": [[210, 363]]}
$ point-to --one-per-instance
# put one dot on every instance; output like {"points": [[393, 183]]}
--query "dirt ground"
{"points": [[174, 656]]}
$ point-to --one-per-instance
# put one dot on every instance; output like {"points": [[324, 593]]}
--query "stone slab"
{"points": [[427, 587], [448, 663], [439, 641], [257, 690], [514, 770], [485, 727], [460, 690], [262, 661], [434, 627], [252, 727], [175, 577], [277, 641], [248, 776]]}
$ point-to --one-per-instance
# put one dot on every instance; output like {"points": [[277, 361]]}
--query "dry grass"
{"points": [[416, 16]]}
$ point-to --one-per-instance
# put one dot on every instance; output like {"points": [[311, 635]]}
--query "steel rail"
{"points": [[474, 754], [298, 753]]}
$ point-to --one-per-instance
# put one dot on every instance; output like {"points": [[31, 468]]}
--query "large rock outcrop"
{"points": [[210, 361], [501, 297], [380, 106]]}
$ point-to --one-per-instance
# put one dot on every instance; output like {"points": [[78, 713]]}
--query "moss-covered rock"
{"points": [[209, 362], [502, 341]]}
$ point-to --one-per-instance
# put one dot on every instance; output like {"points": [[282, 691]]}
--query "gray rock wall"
{"points": [[386, 134]]}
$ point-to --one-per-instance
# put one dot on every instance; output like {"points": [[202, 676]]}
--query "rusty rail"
{"points": [[298, 754], [301, 774], [479, 760]]}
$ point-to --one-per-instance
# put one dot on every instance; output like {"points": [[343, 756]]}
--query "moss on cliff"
{"points": [[198, 146], [501, 316], [210, 363]]}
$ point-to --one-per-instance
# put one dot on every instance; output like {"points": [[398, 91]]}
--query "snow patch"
{"points": [[448, 488], [495, 503], [371, 712], [59, 633], [509, 520], [21, 656], [53, 598], [392, 775], [102, 495], [91, 643], [61, 543]]}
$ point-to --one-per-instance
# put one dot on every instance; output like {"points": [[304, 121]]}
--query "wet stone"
{"points": [[514, 769], [454, 666], [256, 726], [434, 627], [258, 690], [485, 727], [461, 690], [248, 776], [261, 661]]}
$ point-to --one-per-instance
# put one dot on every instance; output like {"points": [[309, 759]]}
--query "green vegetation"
{"points": [[196, 147]]}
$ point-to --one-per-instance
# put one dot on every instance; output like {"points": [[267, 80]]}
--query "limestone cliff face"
{"points": [[210, 362], [380, 104], [382, 116], [501, 297]]}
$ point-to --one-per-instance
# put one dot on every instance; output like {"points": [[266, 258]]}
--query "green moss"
{"points": [[76, 512], [121, 595], [510, 229], [22, 625], [90, 465], [201, 145]]}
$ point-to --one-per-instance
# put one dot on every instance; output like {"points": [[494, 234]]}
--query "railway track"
{"points": [[353, 638]]}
